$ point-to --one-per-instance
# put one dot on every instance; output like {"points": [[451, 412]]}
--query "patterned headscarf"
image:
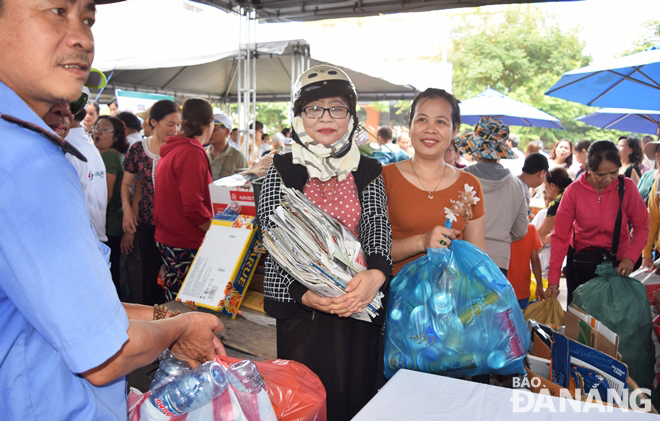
{"points": [[323, 161], [487, 141]]}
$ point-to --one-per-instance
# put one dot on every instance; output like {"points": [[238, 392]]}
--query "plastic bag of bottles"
{"points": [[452, 312], [296, 393], [180, 393], [230, 389]]}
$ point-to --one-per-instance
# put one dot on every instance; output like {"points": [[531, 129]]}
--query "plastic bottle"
{"points": [[419, 321], [422, 292], [169, 369], [191, 390], [251, 391], [246, 377]]}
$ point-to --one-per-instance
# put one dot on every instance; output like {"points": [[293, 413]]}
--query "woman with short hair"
{"points": [[585, 223], [630, 151]]}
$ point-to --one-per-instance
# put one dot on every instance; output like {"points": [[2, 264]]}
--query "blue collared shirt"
{"points": [[59, 310]]}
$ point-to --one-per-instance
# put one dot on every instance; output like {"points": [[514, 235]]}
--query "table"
{"points": [[415, 396]]}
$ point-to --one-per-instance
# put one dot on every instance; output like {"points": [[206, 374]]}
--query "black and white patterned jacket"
{"points": [[282, 293]]}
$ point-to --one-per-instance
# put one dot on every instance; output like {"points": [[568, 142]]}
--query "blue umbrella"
{"points": [[491, 103], [638, 121], [627, 82]]}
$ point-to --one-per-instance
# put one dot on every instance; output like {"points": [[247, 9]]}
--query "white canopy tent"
{"points": [[216, 78], [184, 49]]}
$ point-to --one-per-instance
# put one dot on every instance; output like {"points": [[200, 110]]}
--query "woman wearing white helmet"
{"points": [[327, 167]]}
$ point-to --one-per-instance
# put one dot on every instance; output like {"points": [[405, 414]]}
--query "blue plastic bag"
{"points": [[452, 312]]}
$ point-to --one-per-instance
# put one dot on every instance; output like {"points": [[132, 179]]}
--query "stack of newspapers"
{"points": [[316, 249]]}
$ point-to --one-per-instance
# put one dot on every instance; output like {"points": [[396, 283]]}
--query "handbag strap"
{"points": [[619, 216]]}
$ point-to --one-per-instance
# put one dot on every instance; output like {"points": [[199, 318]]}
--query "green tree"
{"points": [[521, 52], [509, 50], [650, 39], [273, 115]]}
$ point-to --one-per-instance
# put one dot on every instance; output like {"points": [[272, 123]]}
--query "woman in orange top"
{"points": [[424, 191]]}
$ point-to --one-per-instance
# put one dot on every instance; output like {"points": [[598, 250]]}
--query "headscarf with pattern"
{"points": [[325, 161]]}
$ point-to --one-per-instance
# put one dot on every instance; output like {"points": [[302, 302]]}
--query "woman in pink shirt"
{"points": [[586, 219], [182, 201]]}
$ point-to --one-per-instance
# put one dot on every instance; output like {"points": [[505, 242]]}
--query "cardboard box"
{"points": [[540, 348], [571, 360], [223, 266], [588, 331], [233, 189], [541, 361], [543, 384], [254, 300]]}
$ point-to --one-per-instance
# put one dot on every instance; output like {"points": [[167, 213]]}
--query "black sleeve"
{"points": [[375, 231], [278, 284]]}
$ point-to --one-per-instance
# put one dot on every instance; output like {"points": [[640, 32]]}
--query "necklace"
{"points": [[430, 192]]}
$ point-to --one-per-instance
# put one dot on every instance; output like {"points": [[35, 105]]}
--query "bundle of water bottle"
{"points": [[211, 391], [452, 312]]}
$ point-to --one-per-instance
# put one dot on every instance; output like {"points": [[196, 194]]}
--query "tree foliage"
{"points": [[273, 115], [511, 50], [521, 52], [651, 38]]}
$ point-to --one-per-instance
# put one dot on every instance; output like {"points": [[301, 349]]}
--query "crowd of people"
{"points": [[487, 203], [82, 191], [120, 179]]}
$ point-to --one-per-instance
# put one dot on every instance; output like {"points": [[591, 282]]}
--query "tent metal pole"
{"points": [[247, 81]]}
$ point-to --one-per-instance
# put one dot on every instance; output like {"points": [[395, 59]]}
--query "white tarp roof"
{"points": [[217, 79], [290, 10], [184, 49]]}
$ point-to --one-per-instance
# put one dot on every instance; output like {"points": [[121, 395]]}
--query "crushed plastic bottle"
{"points": [[168, 369]]}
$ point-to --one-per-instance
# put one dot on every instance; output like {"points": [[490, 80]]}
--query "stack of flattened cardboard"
{"points": [[581, 363], [223, 266]]}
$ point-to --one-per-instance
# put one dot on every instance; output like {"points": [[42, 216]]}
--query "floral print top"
{"points": [[141, 161]]}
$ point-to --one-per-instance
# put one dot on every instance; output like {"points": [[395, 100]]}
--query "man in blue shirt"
{"points": [[66, 342]]}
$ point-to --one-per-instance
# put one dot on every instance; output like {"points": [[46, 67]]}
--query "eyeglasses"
{"points": [[315, 111], [102, 130]]}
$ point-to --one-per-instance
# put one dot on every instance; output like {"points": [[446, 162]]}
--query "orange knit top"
{"points": [[411, 212]]}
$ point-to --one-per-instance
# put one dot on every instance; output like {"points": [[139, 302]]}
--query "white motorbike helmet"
{"points": [[325, 81]]}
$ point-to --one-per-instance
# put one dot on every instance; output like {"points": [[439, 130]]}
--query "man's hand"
{"points": [[360, 291], [198, 343]]}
